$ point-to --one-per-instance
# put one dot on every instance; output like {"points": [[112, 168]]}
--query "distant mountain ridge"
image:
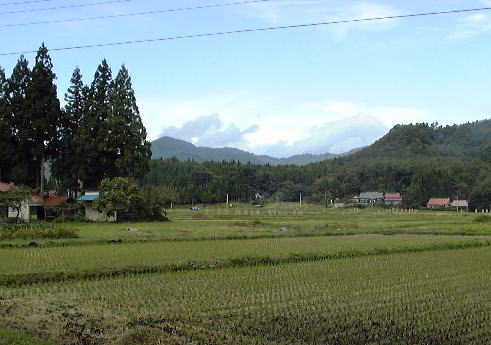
{"points": [[167, 147], [423, 140]]}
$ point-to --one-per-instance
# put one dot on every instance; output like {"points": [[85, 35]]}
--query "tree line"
{"points": [[404, 161], [97, 134]]}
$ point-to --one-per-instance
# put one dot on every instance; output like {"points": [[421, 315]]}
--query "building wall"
{"points": [[24, 215], [94, 215]]}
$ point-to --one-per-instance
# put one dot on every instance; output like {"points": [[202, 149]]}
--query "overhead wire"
{"points": [[45, 9], [28, 2], [249, 30], [134, 14]]}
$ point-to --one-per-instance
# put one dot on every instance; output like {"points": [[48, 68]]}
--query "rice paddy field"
{"points": [[278, 275]]}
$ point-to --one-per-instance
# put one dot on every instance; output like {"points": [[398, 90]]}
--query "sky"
{"points": [[310, 90]]}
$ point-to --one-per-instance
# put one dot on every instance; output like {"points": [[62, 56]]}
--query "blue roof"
{"points": [[88, 198]]}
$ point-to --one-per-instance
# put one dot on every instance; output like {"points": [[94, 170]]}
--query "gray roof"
{"points": [[371, 195]]}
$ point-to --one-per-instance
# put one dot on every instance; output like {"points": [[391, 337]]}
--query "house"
{"points": [[91, 213], [4, 187], [393, 199], [460, 204], [438, 203], [369, 198]]}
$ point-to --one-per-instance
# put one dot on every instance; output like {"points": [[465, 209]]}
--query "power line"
{"points": [[25, 2], [45, 9], [270, 28], [133, 14]]}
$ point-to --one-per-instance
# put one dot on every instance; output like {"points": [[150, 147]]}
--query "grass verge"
{"points": [[19, 338]]}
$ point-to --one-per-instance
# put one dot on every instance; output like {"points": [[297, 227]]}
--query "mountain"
{"points": [[469, 140], [167, 147]]}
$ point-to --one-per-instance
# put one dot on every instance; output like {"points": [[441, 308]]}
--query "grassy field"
{"points": [[277, 275], [417, 298], [245, 222]]}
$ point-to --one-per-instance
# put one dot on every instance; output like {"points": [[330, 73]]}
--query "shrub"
{"points": [[35, 231], [482, 219]]}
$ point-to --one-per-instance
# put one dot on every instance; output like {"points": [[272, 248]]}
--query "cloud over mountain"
{"points": [[209, 130]]}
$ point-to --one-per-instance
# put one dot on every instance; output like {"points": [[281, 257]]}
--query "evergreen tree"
{"points": [[94, 131], [70, 159], [21, 171], [44, 113], [129, 145], [7, 144]]}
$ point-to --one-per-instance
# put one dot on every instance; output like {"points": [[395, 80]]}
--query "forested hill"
{"points": [[167, 147], [425, 140], [421, 161]]}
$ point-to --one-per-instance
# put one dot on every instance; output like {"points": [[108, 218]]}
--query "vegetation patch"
{"points": [[18, 280], [35, 231], [8, 337], [482, 219]]}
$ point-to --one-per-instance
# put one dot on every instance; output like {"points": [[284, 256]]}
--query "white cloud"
{"points": [[280, 129], [210, 131], [307, 11], [472, 25]]}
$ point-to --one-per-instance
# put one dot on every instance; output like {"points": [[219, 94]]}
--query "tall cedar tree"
{"points": [[70, 159], [94, 131], [129, 146], [44, 113], [20, 170], [7, 144]]}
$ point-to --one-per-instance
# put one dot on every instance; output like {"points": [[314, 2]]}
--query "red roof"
{"points": [[5, 187], [393, 197], [55, 200], [439, 202]]}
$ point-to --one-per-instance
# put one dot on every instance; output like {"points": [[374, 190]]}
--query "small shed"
{"points": [[91, 213], [438, 203]]}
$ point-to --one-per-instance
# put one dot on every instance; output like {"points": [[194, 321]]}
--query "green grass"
{"points": [[242, 222], [254, 276], [417, 298], [19, 338], [28, 265]]}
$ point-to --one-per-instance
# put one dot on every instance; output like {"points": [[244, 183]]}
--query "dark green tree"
{"points": [[94, 132], [44, 113], [20, 171], [7, 144], [128, 140], [70, 159]]}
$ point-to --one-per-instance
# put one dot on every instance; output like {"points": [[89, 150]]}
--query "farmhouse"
{"points": [[369, 198], [91, 213], [35, 208], [393, 199], [438, 203]]}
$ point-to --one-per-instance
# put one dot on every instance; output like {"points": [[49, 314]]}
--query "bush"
{"points": [[482, 219], [35, 231]]}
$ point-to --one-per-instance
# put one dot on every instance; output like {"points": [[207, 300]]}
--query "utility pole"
{"points": [[42, 177]]}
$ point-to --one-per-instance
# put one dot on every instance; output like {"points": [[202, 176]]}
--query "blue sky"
{"points": [[285, 92]]}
